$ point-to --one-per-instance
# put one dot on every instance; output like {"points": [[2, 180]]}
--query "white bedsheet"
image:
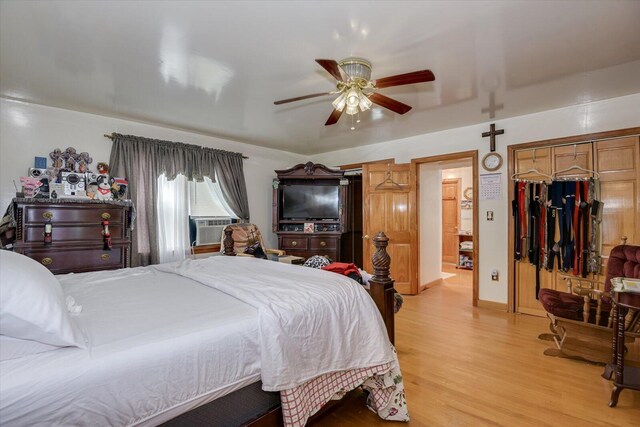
{"points": [[158, 343], [311, 321]]}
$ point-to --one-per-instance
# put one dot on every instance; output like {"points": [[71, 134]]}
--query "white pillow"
{"points": [[13, 348], [32, 305]]}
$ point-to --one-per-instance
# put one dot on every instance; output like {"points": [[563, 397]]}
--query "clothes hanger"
{"points": [[388, 182], [575, 166], [534, 170]]}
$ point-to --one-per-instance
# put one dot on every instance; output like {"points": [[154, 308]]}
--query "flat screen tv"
{"points": [[310, 202]]}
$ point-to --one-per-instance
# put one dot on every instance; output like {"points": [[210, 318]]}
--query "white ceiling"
{"points": [[217, 67]]}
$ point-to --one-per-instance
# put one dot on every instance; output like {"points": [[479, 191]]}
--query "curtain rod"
{"points": [[110, 136]]}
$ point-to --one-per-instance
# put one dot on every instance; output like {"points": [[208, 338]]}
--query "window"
{"points": [[177, 201]]}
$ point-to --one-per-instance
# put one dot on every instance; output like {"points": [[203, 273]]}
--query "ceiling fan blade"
{"points": [[332, 67], [405, 79], [334, 117], [300, 98], [391, 104]]}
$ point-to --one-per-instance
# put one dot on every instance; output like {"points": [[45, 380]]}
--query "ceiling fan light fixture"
{"points": [[353, 98], [340, 102], [356, 68], [352, 109], [365, 102]]}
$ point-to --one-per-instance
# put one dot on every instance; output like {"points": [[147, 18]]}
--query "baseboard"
{"points": [[430, 285], [501, 306]]}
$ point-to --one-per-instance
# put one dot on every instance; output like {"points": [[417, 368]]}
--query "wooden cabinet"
{"points": [[327, 236], [77, 241]]}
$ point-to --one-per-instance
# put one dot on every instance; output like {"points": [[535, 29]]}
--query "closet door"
{"points": [[525, 273], [618, 162]]}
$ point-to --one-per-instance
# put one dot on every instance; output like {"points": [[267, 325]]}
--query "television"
{"points": [[310, 202]]}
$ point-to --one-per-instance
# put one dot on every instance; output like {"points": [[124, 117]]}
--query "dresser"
{"points": [[77, 242], [307, 245]]}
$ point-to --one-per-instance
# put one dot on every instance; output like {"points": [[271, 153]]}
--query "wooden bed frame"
{"points": [[380, 285]]}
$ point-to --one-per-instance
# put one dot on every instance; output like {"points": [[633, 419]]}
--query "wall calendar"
{"points": [[491, 186]]}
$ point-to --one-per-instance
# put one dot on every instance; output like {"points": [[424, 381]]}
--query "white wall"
{"points": [[465, 174], [28, 130], [611, 114], [430, 241]]}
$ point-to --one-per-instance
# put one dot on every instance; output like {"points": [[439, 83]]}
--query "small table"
{"points": [[290, 259], [625, 376]]}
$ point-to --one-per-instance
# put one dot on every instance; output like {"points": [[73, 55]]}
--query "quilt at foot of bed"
{"points": [[383, 382]]}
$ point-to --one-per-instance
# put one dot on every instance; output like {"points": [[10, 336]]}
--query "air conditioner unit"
{"points": [[209, 230]]}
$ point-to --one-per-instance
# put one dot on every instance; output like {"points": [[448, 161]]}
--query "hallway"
{"points": [[466, 366]]}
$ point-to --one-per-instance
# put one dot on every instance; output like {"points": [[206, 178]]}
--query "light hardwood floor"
{"points": [[465, 366]]}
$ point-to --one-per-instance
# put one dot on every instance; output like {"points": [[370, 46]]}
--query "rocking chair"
{"points": [[581, 318]]}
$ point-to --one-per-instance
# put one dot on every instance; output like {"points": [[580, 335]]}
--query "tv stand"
{"points": [[326, 237]]}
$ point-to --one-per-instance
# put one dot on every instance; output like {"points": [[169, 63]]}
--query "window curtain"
{"points": [[173, 218], [229, 172], [142, 161], [216, 191]]}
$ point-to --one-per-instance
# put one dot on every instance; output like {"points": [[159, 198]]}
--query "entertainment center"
{"points": [[313, 213]]}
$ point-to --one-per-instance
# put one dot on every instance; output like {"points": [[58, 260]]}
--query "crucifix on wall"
{"points": [[492, 136]]}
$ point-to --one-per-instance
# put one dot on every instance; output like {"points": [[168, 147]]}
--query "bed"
{"points": [[179, 342]]}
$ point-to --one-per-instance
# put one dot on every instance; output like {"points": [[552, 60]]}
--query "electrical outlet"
{"points": [[494, 275], [489, 215]]}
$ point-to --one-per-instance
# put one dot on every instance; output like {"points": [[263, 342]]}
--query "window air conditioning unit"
{"points": [[209, 230]]}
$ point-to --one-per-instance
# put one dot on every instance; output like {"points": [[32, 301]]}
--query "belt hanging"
{"points": [[576, 230], [532, 223], [515, 211], [555, 225], [522, 187], [584, 214], [568, 242]]}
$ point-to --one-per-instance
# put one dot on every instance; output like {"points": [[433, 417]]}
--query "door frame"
{"points": [[458, 182], [462, 155], [511, 151]]}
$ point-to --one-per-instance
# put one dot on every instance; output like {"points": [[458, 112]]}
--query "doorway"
{"points": [[448, 221]]}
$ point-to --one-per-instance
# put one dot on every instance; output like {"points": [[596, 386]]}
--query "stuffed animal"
{"points": [[103, 168], [104, 188]]}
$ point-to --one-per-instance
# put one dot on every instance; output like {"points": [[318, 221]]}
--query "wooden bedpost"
{"points": [[228, 242], [381, 285]]}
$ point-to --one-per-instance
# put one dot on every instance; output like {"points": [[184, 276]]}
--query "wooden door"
{"points": [[618, 162], [450, 219], [389, 205]]}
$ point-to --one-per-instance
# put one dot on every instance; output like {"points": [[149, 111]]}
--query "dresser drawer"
{"points": [[65, 260], [66, 233], [322, 243], [62, 214], [288, 242]]}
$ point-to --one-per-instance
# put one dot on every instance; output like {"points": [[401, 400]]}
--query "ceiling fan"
{"points": [[357, 92]]}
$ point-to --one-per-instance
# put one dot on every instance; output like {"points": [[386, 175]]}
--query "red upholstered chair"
{"points": [[581, 318]]}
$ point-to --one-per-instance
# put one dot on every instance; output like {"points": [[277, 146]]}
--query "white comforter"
{"points": [[311, 321], [157, 345]]}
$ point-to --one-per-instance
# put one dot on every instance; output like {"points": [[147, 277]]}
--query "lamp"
{"points": [[340, 101], [353, 98], [354, 101]]}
